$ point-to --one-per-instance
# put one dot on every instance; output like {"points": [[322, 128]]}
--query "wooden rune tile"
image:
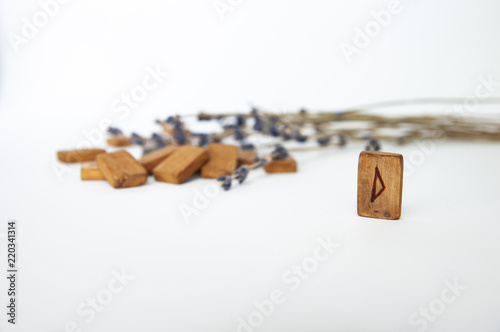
{"points": [[287, 165], [121, 170], [246, 157], [380, 185], [152, 159], [90, 171], [222, 160], [119, 140], [181, 164], [77, 156]]}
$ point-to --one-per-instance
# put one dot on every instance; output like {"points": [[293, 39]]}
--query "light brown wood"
{"points": [[246, 157], [77, 156], [118, 141], [121, 170], [222, 160], [152, 159], [380, 185], [181, 164], [90, 171], [288, 165]]}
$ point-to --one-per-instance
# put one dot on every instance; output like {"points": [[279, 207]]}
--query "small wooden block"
{"points": [[152, 159], [181, 164], [380, 185], [121, 169], [90, 171], [118, 141], [222, 160], [246, 157], [287, 165], [77, 156]]}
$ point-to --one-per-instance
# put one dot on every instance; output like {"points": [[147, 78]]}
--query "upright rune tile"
{"points": [[380, 185]]}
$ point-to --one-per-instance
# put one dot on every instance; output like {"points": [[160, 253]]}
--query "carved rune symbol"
{"points": [[375, 193]]}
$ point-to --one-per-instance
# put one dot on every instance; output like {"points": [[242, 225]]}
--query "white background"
{"points": [[203, 276]]}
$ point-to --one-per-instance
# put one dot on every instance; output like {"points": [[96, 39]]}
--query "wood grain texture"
{"points": [[181, 164], [246, 157], [380, 185], [222, 160], [121, 170], [90, 171], [153, 159], [118, 141], [288, 165], [78, 156]]}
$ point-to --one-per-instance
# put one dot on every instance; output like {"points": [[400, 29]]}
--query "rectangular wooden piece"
{"points": [[152, 159], [78, 156], [181, 164], [287, 165], [119, 140], [121, 170], [222, 160], [246, 157], [380, 185], [90, 171]]}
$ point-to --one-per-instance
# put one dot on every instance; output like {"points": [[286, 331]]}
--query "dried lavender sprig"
{"points": [[113, 131], [240, 174], [279, 153], [318, 120]]}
